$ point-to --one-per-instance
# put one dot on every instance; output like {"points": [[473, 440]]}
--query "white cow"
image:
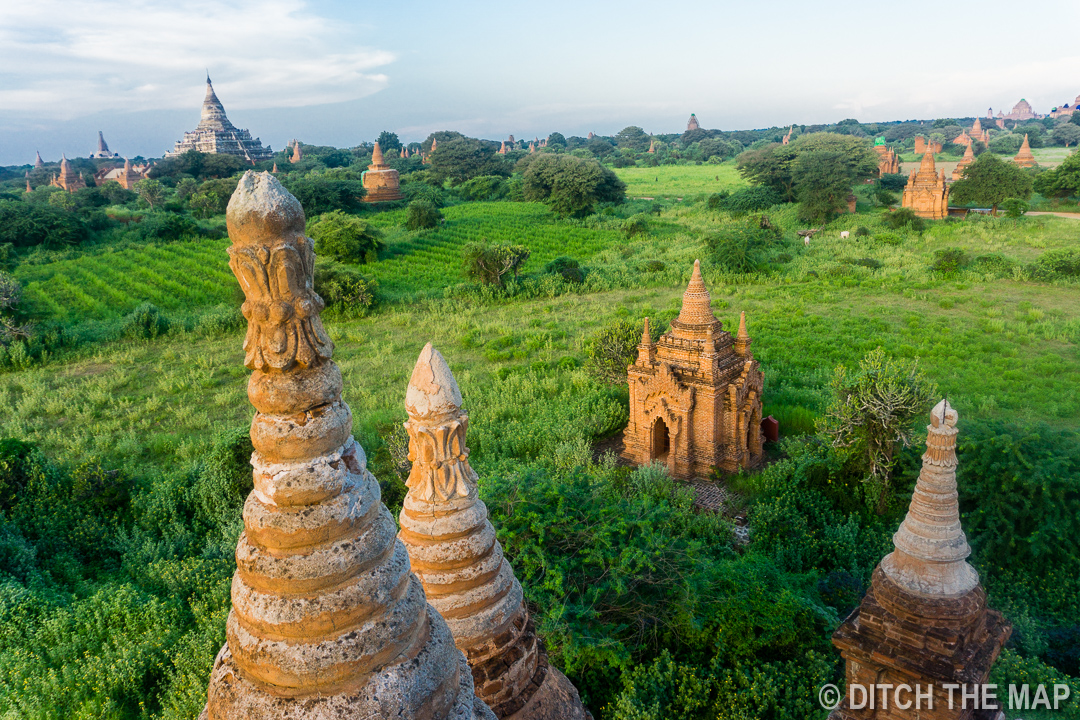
{"points": [[844, 235], [806, 241]]}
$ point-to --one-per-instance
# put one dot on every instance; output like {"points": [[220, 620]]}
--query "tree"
{"points": [[150, 191], [11, 326], [568, 184], [1062, 181], [1067, 134], [345, 238], [460, 158], [321, 192], [632, 138], [612, 349], [556, 138], [872, 412], [489, 263], [991, 180], [823, 179], [422, 214], [770, 166], [388, 141]]}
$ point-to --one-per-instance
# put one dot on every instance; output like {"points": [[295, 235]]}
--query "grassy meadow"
{"points": [[1003, 346]]}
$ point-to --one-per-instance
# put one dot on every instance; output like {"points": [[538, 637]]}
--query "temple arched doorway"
{"points": [[661, 441]]}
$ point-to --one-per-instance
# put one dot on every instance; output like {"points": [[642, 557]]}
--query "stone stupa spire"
{"points": [[326, 622], [377, 156], [454, 552], [1024, 158], [931, 550], [697, 303], [38, 162], [742, 339]]}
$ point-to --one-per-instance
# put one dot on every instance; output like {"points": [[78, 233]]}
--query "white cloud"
{"points": [[69, 58]]}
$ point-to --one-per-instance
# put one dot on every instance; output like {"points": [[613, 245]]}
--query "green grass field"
{"points": [[677, 181]]}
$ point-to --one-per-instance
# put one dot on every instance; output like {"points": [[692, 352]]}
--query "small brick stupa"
{"points": [[1024, 158], [969, 157], [453, 550], [926, 192], [695, 394], [924, 620], [380, 180], [888, 160], [327, 622]]}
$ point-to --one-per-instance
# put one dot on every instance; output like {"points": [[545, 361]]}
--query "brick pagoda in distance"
{"points": [[695, 394], [924, 621], [215, 134]]}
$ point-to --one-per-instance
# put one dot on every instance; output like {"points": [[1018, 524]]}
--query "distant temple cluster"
{"points": [[215, 134]]}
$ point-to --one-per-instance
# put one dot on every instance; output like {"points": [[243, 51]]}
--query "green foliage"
{"points": [[199, 166], [1063, 180], [991, 180], [823, 180], [345, 238], [905, 218], [150, 192], [569, 185], [1014, 207], [743, 246], [1063, 262], [166, 226], [893, 182], [485, 187], [460, 158], [612, 349], [884, 197], [831, 160], [24, 224], [566, 267], [211, 197], [862, 231], [489, 263], [320, 193], [948, 261], [389, 142], [872, 412], [636, 225], [422, 215], [145, 322], [344, 289], [751, 199]]}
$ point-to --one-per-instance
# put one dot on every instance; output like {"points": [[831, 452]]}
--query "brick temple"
{"points": [[695, 394], [215, 134]]}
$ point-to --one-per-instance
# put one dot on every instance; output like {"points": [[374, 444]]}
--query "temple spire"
{"points": [[742, 340], [931, 552], [376, 155], [697, 303], [38, 162]]}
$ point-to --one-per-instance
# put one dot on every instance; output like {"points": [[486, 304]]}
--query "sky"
{"points": [[337, 72]]}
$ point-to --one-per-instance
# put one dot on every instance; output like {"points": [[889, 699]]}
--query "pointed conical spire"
{"points": [[454, 552], [376, 155], [742, 339], [28, 188], [646, 349], [931, 550], [274, 170], [101, 144], [646, 336], [38, 162], [927, 164], [213, 112], [697, 303]]}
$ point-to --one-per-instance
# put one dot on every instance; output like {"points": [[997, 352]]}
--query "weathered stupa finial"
{"points": [[326, 621], [454, 552], [742, 339], [377, 156], [697, 303]]}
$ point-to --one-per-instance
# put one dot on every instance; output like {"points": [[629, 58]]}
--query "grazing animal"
{"points": [[806, 241], [844, 235]]}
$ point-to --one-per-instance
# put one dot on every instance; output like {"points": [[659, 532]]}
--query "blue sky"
{"points": [[332, 72]]}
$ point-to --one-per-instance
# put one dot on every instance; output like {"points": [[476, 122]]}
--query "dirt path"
{"points": [[1071, 216]]}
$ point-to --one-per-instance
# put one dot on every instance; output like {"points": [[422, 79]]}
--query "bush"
{"points": [[992, 263], [716, 200], [751, 199], [893, 182], [612, 349], [654, 266], [743, 246], [166, 226], [862, 231], [345, 238], [320, 193], [890, 239], [905, 217], [145, 322], [489, 263], [948, 261], [1014, 207], [24, 224], [344, 289], [220, 320], [422, 215], [1064, 262], [568, 184], [568, 268], [636, 225], [884, 197], [485, 187]]}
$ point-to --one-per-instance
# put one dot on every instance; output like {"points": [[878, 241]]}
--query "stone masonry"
{"points": [[327, 621]]}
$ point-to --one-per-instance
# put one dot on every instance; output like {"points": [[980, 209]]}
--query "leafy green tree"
{"points": [[743, 246], [872, 413], [184, 188], [321, 192], [632, 138], [1005, 143], [489, 263], [150, 192], [770, 166], [569, 185], [63, 200], [612, 349], [1066, 134], [345, 238], [991, 180], [389, 141], [823, 179], [422, 214], [23, 225], [1062, 181], [200, 166], [459, 159], [556, 139], [1075, 118]]}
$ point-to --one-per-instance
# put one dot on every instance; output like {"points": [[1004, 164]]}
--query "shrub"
{"points": [[948, 261], [716, 200], [145, 322], [905, 217], [654, 266], [894, 182], [743, 246], [636, 225], [345, 238], [320, 193], [568, 268], [612, 349], [992, 263], [862, 231], [220, 320], [422, 215], [890, 239], [1064, 262], [867, 262], [485, 187], [489, 263], [568, 184], [345, 290], [1014, 207], [751, 199], [884, 197], [166, 226]]}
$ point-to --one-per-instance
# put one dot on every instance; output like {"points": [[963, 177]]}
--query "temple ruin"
{"points": [[969, 157], [888, 160], [68, 179], [215, 134], [453, 550], [695, 394], [926, 192], [103, 152], [327, 621], [924, 620], [692, 123], [380, 180], [1024, 158]]}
